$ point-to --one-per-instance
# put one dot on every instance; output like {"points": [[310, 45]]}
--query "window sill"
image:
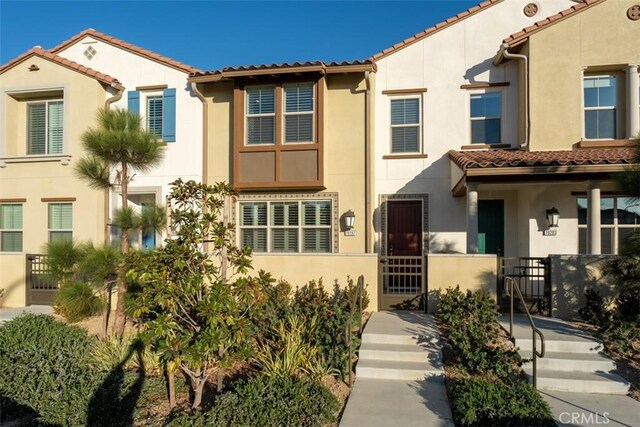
{"points": [[64, 159], [485, 146], [405, 156], [605, 143]]}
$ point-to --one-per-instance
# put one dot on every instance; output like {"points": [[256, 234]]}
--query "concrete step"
{"points": [[580, 382], [394, 370], [402, 353], [373, 338], [582, 362], [559, 346]]}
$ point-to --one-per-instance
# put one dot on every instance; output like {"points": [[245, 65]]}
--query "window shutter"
{"points": [[133, 101], [169, 115]]}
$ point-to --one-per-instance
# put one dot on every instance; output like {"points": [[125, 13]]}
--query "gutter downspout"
{"points": [[107, 105], [367, 163], [527, 123]]}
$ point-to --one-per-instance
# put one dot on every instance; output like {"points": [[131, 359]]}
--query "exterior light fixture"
{"points": [[349, 220], [553, 217]]}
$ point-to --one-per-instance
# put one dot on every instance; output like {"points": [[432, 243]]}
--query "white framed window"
{"points": [[406, 125], [45, 121], [287, 226], [298, 112], [619, 217], [60, 221], [600, 107], [155, 111], [260, 115], [485, 113], [10, 227]]}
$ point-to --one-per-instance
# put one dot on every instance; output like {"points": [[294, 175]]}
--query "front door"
{"points": [[491, 227], [402, 270]]}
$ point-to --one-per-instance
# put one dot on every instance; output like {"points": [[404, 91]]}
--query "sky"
{"points": [[214, 34]]}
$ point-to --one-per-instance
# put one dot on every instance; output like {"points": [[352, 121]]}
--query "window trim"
{"points": [[46, 122], [616, 108], [419, 144], [65, 230], [14, 230], [499, 90]]}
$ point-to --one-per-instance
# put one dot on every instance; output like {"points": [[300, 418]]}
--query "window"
{"points": [[298, 113], [405, 125], [60, 221], [285, 226], [10, 228], [261, 115], [600, 99], [619, 217], [159, 111], [486, 117], [45, 127], [154, 114]]}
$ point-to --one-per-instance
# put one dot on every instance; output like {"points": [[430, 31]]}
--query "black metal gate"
{"points": [[40, 284], [533, 278]]}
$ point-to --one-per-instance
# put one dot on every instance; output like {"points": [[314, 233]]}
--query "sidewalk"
{"points": [[11, 313]]}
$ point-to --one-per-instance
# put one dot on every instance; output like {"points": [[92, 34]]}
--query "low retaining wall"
{"points": [[12, 280]]}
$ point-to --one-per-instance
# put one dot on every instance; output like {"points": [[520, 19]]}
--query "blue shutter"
{"points": [[169, 115], [133, 101]]}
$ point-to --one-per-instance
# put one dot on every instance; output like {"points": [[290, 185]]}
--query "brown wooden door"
{"points": [[404, 228]]}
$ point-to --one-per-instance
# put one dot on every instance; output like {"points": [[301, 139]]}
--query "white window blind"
{"points": [[284, 227], [10, 228], [316, 226], [45, 127], [253, 226], [154, 114], [405, 125], [260, 115], [60, 221], [298, 113]]}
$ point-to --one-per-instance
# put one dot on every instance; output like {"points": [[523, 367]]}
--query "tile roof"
{"points": [[486, 159], [523, 34], [282, 66], [434, 29], [127, 46], [40, 52]]}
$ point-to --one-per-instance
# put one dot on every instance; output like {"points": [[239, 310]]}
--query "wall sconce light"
{"points": [[553, 217], [349, 220]]}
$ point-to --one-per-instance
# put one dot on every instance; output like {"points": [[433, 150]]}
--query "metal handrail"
{"points": [[357, 300], [511, 285]]}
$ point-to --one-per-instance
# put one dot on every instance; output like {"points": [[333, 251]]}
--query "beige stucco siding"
{"points": [[600, 38]]}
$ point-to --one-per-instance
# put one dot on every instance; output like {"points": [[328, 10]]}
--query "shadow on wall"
{"points": [[571, 276], [438, 245]]}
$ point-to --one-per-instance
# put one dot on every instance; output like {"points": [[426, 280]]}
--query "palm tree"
{"points": [[118, 147]]}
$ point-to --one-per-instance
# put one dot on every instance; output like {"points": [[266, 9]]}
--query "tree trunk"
{"points": [[171, 382], [107, 312], [124, 248], [198, 390]]}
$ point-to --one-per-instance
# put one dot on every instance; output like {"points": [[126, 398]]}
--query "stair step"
{"points": [[580, 382], [395, 370], [557, 346], [577, 362], [399, 352], [389, 339]]}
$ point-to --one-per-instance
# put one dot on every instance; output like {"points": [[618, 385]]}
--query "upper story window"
{"points": [[600, 104], [619, 217], [486, 117], [159, 110], [154, 114], [45, 127], [60, 221], [298, 113], [405, 125], [261, 115], [11, 227]]}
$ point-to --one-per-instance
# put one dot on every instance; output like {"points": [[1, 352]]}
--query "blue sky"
{"points": [[213, 34]]}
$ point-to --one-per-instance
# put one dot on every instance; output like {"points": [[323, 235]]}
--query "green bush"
{"points": [[275, 401], [107, 353], [478, 401], [77, 300], [619, 336], [42, 367], [595, 310]]}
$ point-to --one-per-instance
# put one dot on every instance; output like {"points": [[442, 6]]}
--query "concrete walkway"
{"points": [[399, 376], [12, 313]]}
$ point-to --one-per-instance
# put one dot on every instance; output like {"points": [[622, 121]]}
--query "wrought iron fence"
{"points": [[532, 276]]}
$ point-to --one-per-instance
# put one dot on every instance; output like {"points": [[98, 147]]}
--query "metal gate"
{"points": [[40, 284], [402, 282], [533, 278]]}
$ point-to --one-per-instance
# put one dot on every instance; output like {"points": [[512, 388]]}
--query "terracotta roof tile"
{"points": [[127, 46], [282, 65], [517, 158], [522, 35], [437, 27], [40, 52]]}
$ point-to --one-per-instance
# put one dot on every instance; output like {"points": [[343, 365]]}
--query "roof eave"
{"points": [[335, 69]]}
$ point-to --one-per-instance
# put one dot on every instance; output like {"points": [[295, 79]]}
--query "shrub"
{"points": [[41, 366], [109, 352], [595, 310], [619, 336], [77, 300], [477, 401], [275, 401]]}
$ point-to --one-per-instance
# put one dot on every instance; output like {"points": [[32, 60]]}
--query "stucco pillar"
{"points": [[633, 101], [593, 218], [472, 218]]}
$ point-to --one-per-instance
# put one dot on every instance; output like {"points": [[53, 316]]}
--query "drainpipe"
{"points": [[527, 124], [205, 130], [107, 105], [367, 163]]}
